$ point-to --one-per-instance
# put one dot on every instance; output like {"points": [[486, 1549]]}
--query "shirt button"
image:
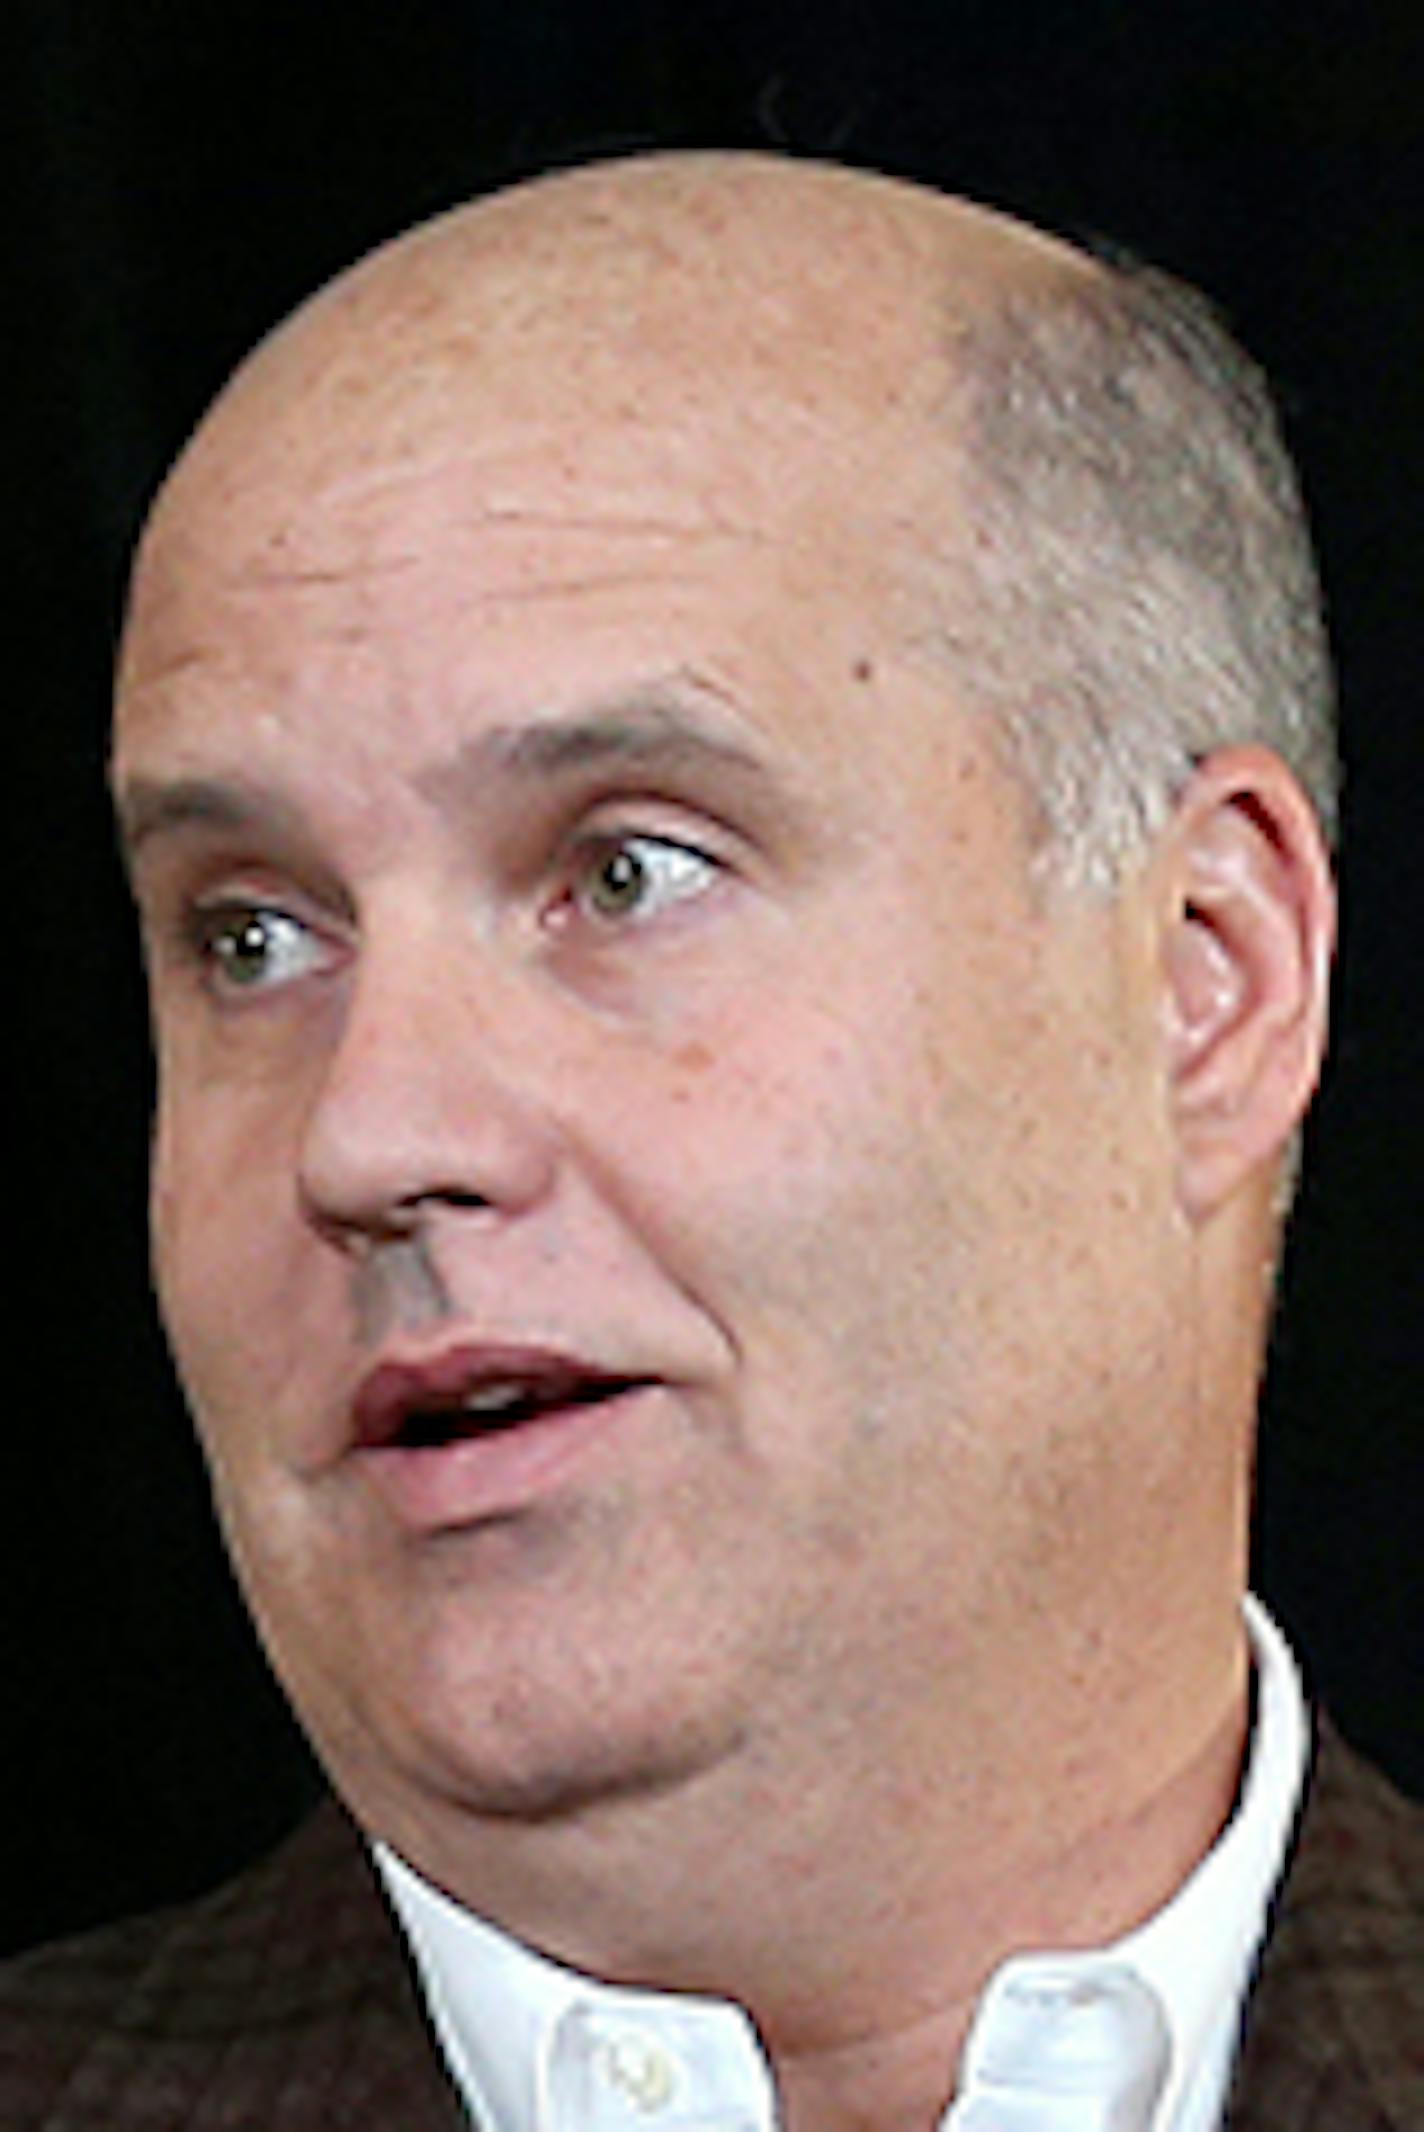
{"points": [[639, 2070]]}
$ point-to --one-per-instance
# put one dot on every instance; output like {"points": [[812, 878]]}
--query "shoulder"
{"points": [[1361, 1849], [282, 1999], [1334, 2021]]}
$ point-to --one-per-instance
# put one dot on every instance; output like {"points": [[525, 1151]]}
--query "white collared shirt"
{"points": [[534, 2047]]}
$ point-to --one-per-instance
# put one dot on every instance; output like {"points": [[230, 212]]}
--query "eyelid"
{"points": [[598, 839], [594, 845], [659, 818], [201, 918]]}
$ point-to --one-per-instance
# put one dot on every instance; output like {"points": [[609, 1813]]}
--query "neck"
{"points": [[893, 2070], [860, 1942]]}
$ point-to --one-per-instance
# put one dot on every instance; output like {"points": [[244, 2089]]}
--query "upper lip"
{"points": [[397, 1393]]}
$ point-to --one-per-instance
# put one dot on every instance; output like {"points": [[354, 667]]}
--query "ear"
{"points": [[1248, 915]]}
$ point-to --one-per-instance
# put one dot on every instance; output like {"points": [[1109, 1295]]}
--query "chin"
{"points": [[512, 1683], [531, 1749], [547, 1781]]}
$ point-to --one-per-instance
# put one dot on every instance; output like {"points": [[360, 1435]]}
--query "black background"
{"points": [[183, 172]]}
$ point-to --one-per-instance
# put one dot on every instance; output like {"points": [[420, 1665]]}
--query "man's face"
{"points": [[657, 1213]]}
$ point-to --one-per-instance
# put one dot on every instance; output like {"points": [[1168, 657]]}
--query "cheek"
{"points": [[916, 1218], [778, 1173], [227, 1267]]}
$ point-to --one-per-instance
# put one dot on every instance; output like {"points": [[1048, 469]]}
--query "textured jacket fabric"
{"points": [[284, 2002], [281, 2003], [1334, 2038]]}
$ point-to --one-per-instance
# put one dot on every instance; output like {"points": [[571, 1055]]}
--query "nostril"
{"points": [[416, 1204], [365, 1232]]}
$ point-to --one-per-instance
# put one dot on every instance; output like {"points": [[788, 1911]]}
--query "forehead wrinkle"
{"points": [[347, 543], [259, 572], [585, 584], [631, 525]]}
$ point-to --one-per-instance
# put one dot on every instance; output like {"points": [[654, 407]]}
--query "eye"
{"points": [[252, 947], [638, 877]]}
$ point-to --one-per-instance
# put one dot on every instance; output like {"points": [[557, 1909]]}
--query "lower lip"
{"points": [[485, 1477]]}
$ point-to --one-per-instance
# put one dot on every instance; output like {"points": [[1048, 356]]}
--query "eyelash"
{"points": [[694, 870], [211, 931]]}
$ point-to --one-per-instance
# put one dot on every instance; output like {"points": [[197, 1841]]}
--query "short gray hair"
{"points": [[1141, 584]]}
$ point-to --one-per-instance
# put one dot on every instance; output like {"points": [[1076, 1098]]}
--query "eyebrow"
{"points": [[650, 736], [148, 806], [655, 735]]}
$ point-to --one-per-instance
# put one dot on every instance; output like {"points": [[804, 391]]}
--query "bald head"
{"points": [[1079, 474], [595, 281], [643, 309]]}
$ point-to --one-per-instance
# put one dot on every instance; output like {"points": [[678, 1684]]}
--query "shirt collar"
{"points": [[534, 2045], [1194, 1957]]}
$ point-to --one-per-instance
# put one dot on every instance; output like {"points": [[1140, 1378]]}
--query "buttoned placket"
{"points": [[604, 2069]]}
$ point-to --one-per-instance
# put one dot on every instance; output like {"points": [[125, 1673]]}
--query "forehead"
{"points": [[671, 399], [495, 621], [512, 527], [547, 457]]}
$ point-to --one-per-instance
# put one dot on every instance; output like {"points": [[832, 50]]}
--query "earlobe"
{"points": [[1248, 931]]}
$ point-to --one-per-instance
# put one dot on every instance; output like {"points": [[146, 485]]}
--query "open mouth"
{"points": [[493, 1408], [466, 1394]]}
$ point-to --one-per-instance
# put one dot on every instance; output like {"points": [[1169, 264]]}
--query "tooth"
{"points": [[489, 1398]]}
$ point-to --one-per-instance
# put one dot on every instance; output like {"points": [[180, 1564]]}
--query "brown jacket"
{"points": [[1334, 2038], [284, 2002]]}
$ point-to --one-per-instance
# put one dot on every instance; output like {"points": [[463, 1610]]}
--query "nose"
{"points": [[423, 1098]]}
